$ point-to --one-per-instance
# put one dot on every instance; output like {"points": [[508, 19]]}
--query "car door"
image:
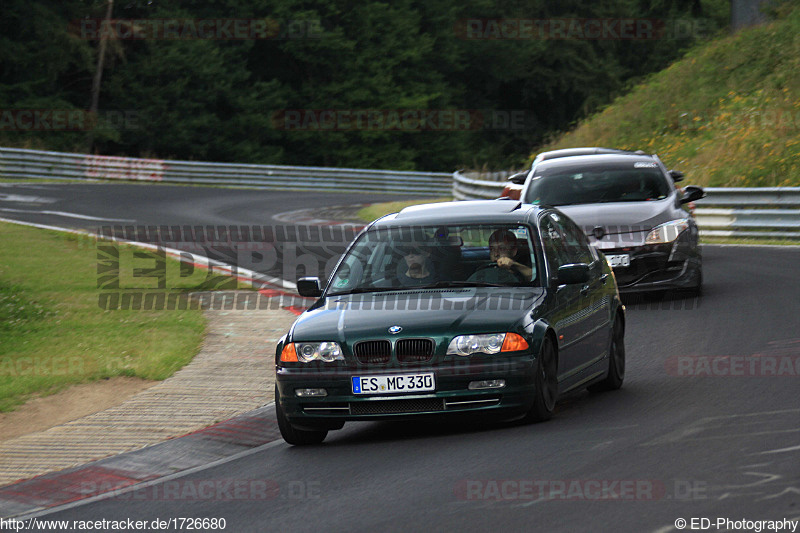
{"points": [[566, 318], [595, 294]]}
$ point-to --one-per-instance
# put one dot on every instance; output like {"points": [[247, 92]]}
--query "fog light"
{"points": [[310, 393], [487, 384]]}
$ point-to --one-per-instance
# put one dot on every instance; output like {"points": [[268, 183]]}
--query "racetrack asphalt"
{"points": [[706, 426], [707, 420]]}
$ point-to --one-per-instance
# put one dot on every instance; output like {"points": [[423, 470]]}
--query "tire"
{"points": [[616, 360], [293, 435], [546, 384]]}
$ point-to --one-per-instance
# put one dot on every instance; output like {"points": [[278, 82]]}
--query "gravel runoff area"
{"points": [[233, 373]]}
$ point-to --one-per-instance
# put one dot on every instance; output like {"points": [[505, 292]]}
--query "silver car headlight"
{"points": [[667, 232]]}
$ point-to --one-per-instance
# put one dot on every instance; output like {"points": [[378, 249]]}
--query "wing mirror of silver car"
{"points": [[692, 193], [676, 175], [519, 178]]}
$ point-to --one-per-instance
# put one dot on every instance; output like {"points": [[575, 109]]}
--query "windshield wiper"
{"points": [[362, 290], [437, 285], [445, 284]]}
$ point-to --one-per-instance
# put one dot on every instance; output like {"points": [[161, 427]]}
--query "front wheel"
{"points": [[546, 384], [616, 360], [293, 435]]}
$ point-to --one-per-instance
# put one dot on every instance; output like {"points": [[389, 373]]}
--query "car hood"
{"points": [[620, 220], [422, 312]]}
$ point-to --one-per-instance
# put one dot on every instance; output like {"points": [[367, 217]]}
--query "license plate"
{"points": [[394, 383], [619, 260]]}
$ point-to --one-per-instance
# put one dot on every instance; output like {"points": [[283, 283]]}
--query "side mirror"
{"points": [[519, 178], [692, 193], [574, 273], [676, 175], [309, 287]]}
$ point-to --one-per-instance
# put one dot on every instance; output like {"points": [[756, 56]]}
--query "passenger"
{"points": [[416, 267]]}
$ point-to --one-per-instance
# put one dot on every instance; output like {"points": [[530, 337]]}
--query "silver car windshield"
{"points": [[387, 259], [585, 184]]}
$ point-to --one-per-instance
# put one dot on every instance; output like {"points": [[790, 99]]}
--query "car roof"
{"points": [[594, 159], [463, 212], [586, 150]]}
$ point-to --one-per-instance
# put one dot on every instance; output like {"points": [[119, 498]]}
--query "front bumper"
{"points": [[452, 395], [656, 267]]}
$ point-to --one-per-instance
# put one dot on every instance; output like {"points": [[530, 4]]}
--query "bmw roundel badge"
{"points": [[395, 330]]}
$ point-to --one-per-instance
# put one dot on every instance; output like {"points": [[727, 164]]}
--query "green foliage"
{"points": [[43, 66], [223, 99], [728, 114]]}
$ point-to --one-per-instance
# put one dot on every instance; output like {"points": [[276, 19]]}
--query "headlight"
{"points": [[490, 344], [305, 352], [667, 232]]}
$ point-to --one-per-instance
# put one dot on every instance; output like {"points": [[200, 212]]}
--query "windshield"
{"points": [[593, 184], [386, 259]]}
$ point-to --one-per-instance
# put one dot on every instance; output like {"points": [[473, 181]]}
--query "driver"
{"points": [[502, 251]]}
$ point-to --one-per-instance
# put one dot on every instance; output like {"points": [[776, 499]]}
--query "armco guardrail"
{"points": [[19, 163], [476, 186], [757, 212]]}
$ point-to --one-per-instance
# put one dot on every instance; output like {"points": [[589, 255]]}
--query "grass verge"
{"points": [[35, 180], [53, 334], [739, 240]]}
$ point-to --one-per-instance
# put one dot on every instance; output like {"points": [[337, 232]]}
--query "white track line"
{"points": [[65, 214]]}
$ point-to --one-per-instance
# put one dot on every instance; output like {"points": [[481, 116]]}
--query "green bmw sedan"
{"points": [[489, 308]]}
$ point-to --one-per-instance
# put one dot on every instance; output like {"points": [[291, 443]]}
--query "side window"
{"points": [[526, 253], [579, 249], [554, 243], [564, 242]]}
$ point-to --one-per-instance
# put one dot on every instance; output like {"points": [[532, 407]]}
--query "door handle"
{"points": [[585, 290]]}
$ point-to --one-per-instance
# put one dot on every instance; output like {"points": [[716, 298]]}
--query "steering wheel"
{"points": [[498, 274]]}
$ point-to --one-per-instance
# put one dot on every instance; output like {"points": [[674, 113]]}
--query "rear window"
{"points": [[598, 183]]}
